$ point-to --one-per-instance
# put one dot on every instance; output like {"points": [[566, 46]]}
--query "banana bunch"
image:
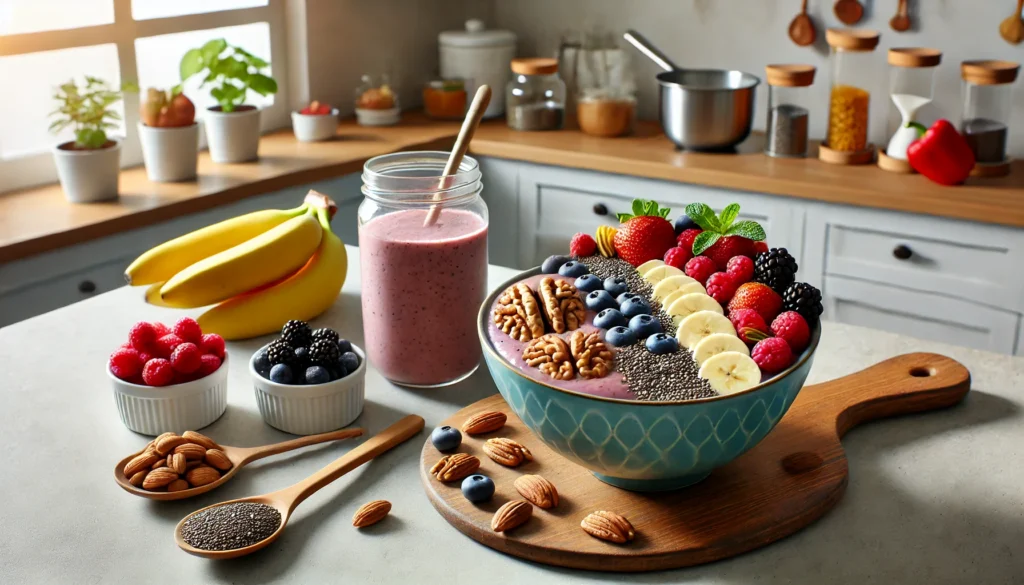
{"points": [[258, 270]]}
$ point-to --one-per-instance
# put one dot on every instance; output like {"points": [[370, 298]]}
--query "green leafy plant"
{"points": [[88, 110], [723, 224], [231, 71]]}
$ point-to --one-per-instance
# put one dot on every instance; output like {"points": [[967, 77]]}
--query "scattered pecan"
{"points": [[511, 515], [507, 452], [517, 313], [608, 526], [562, 304], [539, 491], [455, 467], [593, 358], [551, 355], [485, 422]]}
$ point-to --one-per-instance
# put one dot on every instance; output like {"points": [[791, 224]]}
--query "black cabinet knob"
{"points": [[600, 209], [902, 252], [87, 286]]}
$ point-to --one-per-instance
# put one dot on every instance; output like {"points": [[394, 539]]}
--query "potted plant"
{"points": [[232, 126], [89, 165], [315, 122], [169, 135]]}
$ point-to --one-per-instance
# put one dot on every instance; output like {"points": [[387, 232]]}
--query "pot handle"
{"points": [[644, 46]]}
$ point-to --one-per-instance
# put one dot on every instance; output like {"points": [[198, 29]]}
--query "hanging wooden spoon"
{"points": [[801, 30], [1012, 29], [901, 22], [849, 11]]}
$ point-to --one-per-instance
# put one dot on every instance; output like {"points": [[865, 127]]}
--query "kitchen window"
{"points": [[44, 43]]}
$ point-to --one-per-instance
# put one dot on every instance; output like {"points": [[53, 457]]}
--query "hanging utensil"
{"points": [[1012, 29], [901, 22], [801, 30], [849, 11]]}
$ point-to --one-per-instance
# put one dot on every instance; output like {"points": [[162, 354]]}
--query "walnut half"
{"points": [[593, 358], [551, 355], [562, 304], [517, 313]]}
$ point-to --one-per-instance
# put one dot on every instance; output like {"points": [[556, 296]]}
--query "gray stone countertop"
{"points": [[934, 498]]}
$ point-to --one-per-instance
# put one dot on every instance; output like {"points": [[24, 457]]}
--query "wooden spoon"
{"points": [[285, 500], [901, 22], [239, 456], [849, 11], [1012, 29], [801, 30]]}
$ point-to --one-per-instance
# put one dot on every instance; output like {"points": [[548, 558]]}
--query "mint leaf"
{"points": [[704, 241], [729, 215], [747, 229], [703, 216]]}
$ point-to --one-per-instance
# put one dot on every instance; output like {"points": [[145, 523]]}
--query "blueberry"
{"points": [[446, 438], [624, 297], [615, 286], [351, 361], [573, 269], [262, 363], [683, 222], [344, 345], [609, 318], [634, 306], [281, 374], [335, 374], [317, 375], [588, 283], [302, 354], [553, 263], [477, 488], [600, 300], [660, 343], [644, 326], [620, 336]]}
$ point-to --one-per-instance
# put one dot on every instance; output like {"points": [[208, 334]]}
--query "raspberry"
{"points": [[181, 378], [186, 358], [792, 327], [142, 336], [721, 286], [749, 324], [158, 372], [161, 329], [582, 245], [208, 365], [678, 257], [760, 247], [741, 267], [213, 343], [166, 344], [700, 268], [772, 355], [126, 363], [145, 357], [187, 329], [685, 239]]}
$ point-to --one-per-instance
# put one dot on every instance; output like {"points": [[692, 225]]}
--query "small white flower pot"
{"points": [[170, 154], [314, 128], [88, 176], [233, 137], [367, 117]]}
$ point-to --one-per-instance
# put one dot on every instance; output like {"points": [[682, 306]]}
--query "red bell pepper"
{"points": [[941, 154]]}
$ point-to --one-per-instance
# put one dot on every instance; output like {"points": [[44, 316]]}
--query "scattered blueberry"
{"points": [[351, 361], [620, 336], [634, 306], [344, 345], [477, 488], [644, 326], [660, 343], [553, 263], [573, 269], [446, 438], [624, 297], [317, 375], [683, 222], [261, 363], [600, 300], [281, 374], [609, 318], [615, 286], [588, 283]]}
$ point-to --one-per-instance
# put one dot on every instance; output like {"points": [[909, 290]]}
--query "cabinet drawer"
{"points": [[923, 315], [40, 297]]}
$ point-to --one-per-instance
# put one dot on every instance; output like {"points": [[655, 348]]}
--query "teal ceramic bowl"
{"points": [[644, 446]]}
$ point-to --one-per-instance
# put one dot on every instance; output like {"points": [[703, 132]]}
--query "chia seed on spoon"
{"points": [[231, 526]]}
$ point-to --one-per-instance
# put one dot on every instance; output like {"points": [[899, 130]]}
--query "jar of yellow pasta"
{"points": [[851, 62]]}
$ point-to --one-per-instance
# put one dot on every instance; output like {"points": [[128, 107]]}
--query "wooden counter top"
{"points": [[38, 220]]}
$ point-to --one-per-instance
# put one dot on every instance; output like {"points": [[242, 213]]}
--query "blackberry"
{"points": [[280, 352], [324, 333], [776, 268], [804, 299], [324, 353], [296, 334]]}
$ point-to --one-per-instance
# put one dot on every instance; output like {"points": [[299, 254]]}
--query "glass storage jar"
{"points": [[911, 84], [852, 70], [789, 100], [535, 98], [445, 99], [423, 259], [987, 103]]}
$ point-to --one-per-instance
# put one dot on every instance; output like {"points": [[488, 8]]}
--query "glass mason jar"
{"points": [[423, 256], [987, 104], [535, 98], [911, 84], [852, 67], [789, 100]]}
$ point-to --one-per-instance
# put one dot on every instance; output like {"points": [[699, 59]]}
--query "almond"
{"points": [[177, 485], [608, 526], [455, 467], [200, 439], [161, 462], [176, 461], [371, 513], [202, 475], [158, 478], [190, 465], [162, 436], [140, 462], [507, 452], [539, 491], [168, 444], [217, 458], [137, 479], [511, 515], [485, 422], [191, 451]]}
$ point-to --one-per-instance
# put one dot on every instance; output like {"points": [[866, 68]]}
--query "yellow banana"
{"points": [[268, 257], [164, 261], [304, 295]]}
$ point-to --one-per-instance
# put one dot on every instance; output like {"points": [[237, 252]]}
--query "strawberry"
{"points": [[315, 108], [726, 247], [760, 247], [645, 234], [759, 297]]}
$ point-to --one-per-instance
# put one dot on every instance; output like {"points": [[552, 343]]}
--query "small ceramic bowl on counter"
{"points": [[314, 123]]}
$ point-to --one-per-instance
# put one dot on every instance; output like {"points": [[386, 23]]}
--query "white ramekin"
{"points": [[366, 117], [307, 410], [178, 408], [314, 128]]}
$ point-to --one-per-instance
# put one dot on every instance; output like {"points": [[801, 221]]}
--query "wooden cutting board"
{"points": [[783, 484]]}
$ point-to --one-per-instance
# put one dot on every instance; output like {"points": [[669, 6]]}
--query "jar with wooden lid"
{"points": [[985, 122], [911, 85], [535, 98], [852, 70], [789, 102]]}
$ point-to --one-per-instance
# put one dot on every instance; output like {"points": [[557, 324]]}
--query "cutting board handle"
{"points": [[905, 384]]}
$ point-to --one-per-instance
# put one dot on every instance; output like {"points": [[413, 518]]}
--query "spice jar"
{"points": [[851, 64], [445, 99], [911, 84], [535, 98], [788, 114], [987, 99], [605, 114]]}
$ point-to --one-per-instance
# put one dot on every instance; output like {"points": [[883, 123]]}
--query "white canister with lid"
{"points": [[480, 57]]}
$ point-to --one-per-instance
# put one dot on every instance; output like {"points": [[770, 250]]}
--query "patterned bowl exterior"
{"points": [[644, 446]]}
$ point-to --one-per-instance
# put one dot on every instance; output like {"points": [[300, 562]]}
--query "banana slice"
{"points": [[659, 273], [717, 343], [673, 283], [730, 372], [701, 324], [692, 302], [647, 266]]}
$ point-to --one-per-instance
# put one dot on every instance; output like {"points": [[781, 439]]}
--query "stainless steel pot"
{"points": [[701, 109]]}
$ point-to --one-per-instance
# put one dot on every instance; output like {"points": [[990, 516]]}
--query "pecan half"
{"points": [[608, 526], [551, 355], [562, 304], [539, 491], [507, 452], [455, 467], [593, 357], [511, 515], [485, 422], [517, 313]]}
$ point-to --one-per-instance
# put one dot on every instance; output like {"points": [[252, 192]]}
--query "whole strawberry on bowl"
{"points": [[645, 234], [722, 237], [315, 122]]}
